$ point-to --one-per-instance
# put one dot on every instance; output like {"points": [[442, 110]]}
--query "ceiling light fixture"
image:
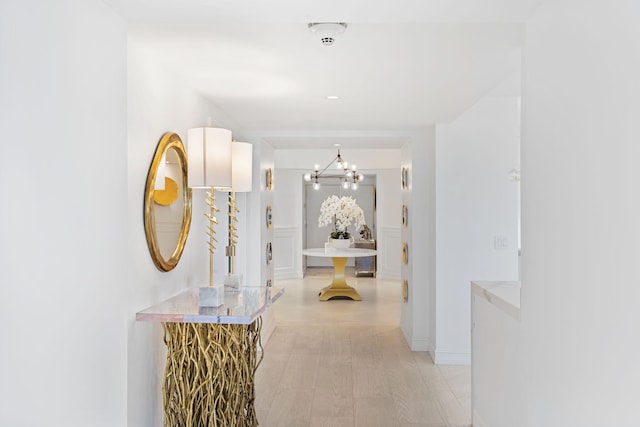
{"points": [[327, 30], [349, 175], [332, 97]]}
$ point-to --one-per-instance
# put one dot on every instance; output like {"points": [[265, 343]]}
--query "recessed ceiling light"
{"points": [[333, 97]]}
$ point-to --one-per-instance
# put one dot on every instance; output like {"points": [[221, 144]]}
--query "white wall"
{"points": [[158, 102], [497, 384], [476, 203], [288, 222], [418, 314], [257, 201], [258, 272], [406, 271], [389, 219], [305, 159], [581, 231], [64, 264]]}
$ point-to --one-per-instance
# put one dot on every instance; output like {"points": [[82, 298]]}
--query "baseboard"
{"points": [[438, 357], [477, 420], [388, 275], [286, 273], [417, 344], [404, 333], [445, 358], [420, 344]]}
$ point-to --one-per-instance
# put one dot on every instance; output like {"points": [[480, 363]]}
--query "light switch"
{"points": [[500, 243]]}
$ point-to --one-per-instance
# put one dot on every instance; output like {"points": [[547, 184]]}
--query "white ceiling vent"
{"points": [[327, 31]]}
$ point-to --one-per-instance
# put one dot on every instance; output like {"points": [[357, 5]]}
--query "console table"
{"points": [[212, 356], [365, 266], [339, 286]]}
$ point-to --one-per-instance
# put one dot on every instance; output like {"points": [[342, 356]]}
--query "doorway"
{"points": [[314, 236]]}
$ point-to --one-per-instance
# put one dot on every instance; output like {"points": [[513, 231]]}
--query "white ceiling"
{"points": [[400, 65], [324, 11], [314, 141]]}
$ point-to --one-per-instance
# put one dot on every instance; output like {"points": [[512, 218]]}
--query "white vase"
{"points": [[341, 243]]}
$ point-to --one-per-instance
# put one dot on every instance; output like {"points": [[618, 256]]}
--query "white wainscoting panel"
{"points": [[287, 258], [389, 252]]}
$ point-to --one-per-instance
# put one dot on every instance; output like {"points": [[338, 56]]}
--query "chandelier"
{"points": [[348, 175]]}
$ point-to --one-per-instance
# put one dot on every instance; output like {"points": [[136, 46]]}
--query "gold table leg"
{"points": [[209, 376], [339, 287]]}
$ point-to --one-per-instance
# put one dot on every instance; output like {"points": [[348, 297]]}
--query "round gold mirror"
{"points": [[167, 203]]}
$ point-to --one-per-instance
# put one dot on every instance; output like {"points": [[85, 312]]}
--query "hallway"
{"points": [[346, 363]]}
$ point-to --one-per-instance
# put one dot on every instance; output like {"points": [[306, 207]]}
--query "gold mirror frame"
{"points": [[169, 140]]}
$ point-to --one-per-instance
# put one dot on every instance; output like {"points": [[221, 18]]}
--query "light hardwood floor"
{"points": [[346, 363]]}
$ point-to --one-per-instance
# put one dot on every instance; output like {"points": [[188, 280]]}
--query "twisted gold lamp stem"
{"points": [[211, 232], [231, 249]]}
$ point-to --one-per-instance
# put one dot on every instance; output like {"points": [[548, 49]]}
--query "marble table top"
{"points": [[241, 306], [338, 252]]}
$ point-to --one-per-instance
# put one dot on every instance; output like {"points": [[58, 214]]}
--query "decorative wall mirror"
{"points": [[167, 211], [269, 217], [269, 253], [405, 216], [405, 178], [269, 179]]}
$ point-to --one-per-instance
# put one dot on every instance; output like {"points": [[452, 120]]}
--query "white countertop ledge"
{"points": [[504, 295]]}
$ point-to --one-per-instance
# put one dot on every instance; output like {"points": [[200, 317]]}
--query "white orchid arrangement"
{"points": [[342, 212]]}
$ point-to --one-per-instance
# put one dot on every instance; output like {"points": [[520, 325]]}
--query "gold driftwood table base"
{"points": [[209, 376]]}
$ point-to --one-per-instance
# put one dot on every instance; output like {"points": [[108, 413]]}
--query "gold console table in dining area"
{"points": [[212, 356]]}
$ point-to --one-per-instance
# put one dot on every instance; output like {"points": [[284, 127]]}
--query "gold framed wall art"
{"points": [[268, 180], [405, 291], [405, 253]]}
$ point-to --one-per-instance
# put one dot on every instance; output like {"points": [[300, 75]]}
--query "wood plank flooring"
{"points": [[346, 363]]}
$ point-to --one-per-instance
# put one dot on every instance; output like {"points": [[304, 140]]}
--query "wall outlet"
{"points": [[500, 243]]}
